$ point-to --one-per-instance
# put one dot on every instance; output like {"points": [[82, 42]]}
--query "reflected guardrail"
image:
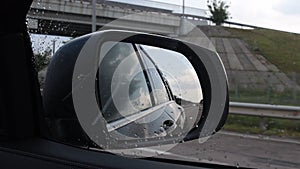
{"points": [[265, 110]]}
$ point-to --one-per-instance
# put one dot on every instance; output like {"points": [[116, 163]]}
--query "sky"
{"points": [[275, 14]]}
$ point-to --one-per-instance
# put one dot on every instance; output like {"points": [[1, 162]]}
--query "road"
{"points": [[241, 150]]}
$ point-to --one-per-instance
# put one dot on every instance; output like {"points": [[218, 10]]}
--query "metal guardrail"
{"points": [[265, 110]]}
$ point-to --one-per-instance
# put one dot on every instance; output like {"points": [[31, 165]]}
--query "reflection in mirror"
{"points": [[181, 78], [147, 92]]}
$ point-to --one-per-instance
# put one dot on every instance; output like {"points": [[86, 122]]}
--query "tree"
{"points": [[42, 59], [219, 11]]}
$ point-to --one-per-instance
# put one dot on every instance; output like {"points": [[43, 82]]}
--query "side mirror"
{"points": [[120, 89]]}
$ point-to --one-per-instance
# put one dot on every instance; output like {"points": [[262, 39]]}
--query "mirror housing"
{"points": [[71, 101]]}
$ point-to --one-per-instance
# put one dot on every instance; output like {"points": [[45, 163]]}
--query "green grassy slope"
{"points": [[283, 50], [280, 48]]}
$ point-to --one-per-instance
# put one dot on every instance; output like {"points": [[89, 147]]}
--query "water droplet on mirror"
{"points": [[237, 165], [80, 76]]}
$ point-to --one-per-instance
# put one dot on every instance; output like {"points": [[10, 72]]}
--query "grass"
{"points": [[273, 126], [280, 48], [264, 126], [283, 50]]}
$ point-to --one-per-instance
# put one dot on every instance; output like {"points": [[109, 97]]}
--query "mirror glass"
{"points": [[147, 92]]}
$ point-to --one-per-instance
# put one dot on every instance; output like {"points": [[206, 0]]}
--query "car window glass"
{"points": [[262, 66], [159, 90], [139, 94], [114, 76]]}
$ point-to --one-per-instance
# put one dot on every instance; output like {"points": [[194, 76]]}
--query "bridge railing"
{"points": [[226, 23]]}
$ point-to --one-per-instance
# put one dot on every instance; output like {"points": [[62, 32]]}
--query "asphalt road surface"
{"points": [[241, 150]]}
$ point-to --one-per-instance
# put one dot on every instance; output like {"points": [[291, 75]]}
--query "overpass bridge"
{"points": [[73, 18]]}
